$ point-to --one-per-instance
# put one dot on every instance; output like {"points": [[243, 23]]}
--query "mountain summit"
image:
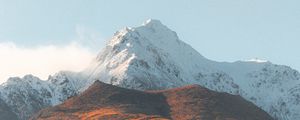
{"points": [[152, 57]]}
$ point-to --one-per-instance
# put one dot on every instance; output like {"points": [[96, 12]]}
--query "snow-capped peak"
{"points": [[151, 22], [257, 60], [156, 50]]}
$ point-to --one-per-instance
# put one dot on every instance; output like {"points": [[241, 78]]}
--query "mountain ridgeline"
{"points": [[152, 57]]}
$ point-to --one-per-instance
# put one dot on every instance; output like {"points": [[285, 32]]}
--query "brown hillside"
{"points": [[103, 101]]}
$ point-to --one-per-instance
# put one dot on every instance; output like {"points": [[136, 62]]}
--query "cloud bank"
{"points": [[41, 61]]}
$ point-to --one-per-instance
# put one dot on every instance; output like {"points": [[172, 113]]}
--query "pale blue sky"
{"points": [[222, 30]]}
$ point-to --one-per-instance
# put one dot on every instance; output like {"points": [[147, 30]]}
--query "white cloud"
{"points": [[41, 61]]}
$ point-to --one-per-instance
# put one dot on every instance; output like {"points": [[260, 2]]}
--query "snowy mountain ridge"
{"points": [[151, 56]]}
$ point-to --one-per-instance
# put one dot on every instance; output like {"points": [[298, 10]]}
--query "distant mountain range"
{"points": [[151, 57]]}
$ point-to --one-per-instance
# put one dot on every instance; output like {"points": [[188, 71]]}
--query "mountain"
{"points": [[26, 96], [105, 101], [151, 57], [6, 113]]}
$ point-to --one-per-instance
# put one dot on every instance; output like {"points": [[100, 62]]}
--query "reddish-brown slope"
{"points": [[104, 101]]}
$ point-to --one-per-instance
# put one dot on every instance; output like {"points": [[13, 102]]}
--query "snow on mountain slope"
{"points": [[150, 57], [29, 94], [6, 113], [26, 96], [65, 84], [268, 86]]}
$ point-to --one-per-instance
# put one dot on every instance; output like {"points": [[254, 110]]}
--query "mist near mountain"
{"points": [[42, 61]]}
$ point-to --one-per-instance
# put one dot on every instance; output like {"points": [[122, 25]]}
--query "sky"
{"points": [[35, 32]]}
